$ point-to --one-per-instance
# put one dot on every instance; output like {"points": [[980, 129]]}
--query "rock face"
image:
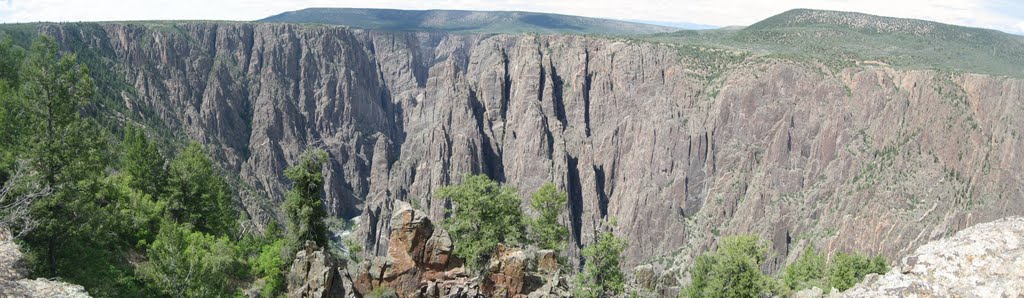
{"points": [[315, 274], [679, 145], [12, 276], [986, 260]]}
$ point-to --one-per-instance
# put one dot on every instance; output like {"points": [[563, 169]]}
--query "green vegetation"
{"points": [[601, 276], [197, 193], [270, 265], [485, 214], [303, 205], [845, 270], [843, 39], [188, 263], [806, 272], [121, 219], [545, 230], [733, 270]]}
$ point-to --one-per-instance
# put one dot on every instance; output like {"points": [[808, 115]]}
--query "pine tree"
{"points": [[545, 230], [485, 214], [185, 263], [303, 204], [601, 276], [142, 161], [197, 193], [69, 152]]}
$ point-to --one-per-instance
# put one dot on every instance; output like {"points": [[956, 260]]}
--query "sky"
{"points": [[1004, 15]]}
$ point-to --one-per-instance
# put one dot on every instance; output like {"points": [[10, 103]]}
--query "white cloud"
{"points": [[977, 13]]}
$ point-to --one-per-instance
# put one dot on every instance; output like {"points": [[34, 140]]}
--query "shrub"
{"points": [[806, 272], [849, 269], [185, 263], [733, 270], [845, 270], [601, 276], [485, 214], [270, 265]]}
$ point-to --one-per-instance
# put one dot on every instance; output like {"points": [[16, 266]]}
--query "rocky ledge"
{"points": [[420, 263], [13, 281], [985, 260]]}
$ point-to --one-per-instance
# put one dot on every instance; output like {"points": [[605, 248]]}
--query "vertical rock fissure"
{"points": [[506, 87], [542, 84], [556, 98], [493, 165], [602, 194], [587, 78], [575, 199]]}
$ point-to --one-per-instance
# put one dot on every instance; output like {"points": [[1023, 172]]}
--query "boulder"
{"points": [[314, 273]]}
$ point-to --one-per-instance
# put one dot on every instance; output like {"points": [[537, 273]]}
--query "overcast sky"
{"points": [[1005, 15]]}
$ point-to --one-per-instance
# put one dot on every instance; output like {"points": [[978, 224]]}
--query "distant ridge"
{"points": [[867, 23], [464, 21], [844, 39]]}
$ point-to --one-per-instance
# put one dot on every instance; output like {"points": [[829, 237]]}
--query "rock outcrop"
{"points": [[513, 272], [13, 281], [316, 274], [420, 264], [654, 280], [687, 141], [419, 255], [986, 260]]}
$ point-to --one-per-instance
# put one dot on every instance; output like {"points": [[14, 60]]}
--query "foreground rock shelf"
{"points": [[985, 260]]}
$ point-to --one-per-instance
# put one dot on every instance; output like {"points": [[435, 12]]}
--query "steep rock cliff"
{"points": [[678, 144]]}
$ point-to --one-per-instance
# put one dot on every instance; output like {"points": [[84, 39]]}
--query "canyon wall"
{"points": [[675, 145]]}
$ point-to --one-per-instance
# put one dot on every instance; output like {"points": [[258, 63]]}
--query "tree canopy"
{"points": [[601, 275], [732, 270], [545, 230], [484, 214]]}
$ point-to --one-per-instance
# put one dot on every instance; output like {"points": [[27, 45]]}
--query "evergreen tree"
{"points": [[142, 162], [197, 193], [185, 263], [485, 214], [806, 272], [601, 276], [11, 57], [303, 206], [848, 269], [545, 230], [67, 151], [733, 270], [11, 107]]}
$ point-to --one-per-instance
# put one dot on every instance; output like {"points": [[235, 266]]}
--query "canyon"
{"points": [[670, 146]]}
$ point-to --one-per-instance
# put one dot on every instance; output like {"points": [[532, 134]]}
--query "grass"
{"points": [[840, 39]]}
